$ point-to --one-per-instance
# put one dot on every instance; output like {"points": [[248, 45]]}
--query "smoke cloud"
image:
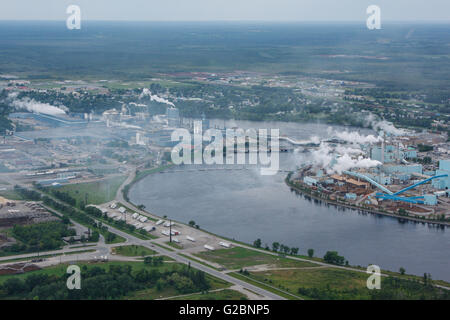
{"points": [[346, 162], [384, 125], [353, 136], [32, 105], [146, 92], [336, 160]]}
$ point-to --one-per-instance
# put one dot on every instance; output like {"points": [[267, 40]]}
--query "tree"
{"points": [[257, 243], [310, 253], [402, 270], [160, 284], [285, 249], [294, 251], [275, 246], [192, 223], [333, 258], [13, 286]]}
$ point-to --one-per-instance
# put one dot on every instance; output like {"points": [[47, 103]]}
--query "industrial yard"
{"points": [[406, 179]]}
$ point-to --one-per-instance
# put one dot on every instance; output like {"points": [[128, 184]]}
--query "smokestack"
{"points": [[382, 147]]}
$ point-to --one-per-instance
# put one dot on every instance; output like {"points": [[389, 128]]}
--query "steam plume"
{"points": [[146, 92]]}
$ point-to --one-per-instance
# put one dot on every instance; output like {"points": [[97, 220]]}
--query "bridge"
{"points": [[296, 142], [219, 169]]}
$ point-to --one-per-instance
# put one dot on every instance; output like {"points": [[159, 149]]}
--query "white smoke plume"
{"points": [[353, 136], [34, 106], [336, 160], [154, 97], [388, 127], [346, 162], [384, 125]]}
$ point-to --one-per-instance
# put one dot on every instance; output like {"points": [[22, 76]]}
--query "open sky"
{"points": [[220, 10]]}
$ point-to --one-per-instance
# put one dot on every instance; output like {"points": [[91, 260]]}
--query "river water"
{"points": [[244, 205]]}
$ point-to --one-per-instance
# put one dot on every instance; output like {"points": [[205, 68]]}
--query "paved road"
{"points": [[120, 198], [102, 249], [178, 258]]}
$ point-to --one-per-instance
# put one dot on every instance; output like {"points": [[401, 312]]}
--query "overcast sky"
{"points": [[210, 10]]}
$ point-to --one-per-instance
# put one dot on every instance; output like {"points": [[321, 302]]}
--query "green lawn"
{"points": [[97, 192], [238, 257], [132, 251]]}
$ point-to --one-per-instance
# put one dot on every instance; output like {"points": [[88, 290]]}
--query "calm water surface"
{"points": [[245, 206]]}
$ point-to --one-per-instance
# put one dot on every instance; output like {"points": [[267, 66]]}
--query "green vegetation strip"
{"points": [[132, 251], [45, 256], [164, 247], [239, 257], [174, 245], [264, 286], [96, 192], [198, 261]]}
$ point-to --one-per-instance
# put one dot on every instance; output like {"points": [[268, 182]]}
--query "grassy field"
{"points": [[198, 261], [132, 251], [238, 257], [153, 293], [97, 192], [324, 278], [267, 287], [226, 294], [11, 195]]}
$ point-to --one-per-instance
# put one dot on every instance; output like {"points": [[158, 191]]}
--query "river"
{"points": [[244, 205]]}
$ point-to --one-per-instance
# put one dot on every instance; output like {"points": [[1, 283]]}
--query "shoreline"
{"points": [[366, 210], [249, 246]]}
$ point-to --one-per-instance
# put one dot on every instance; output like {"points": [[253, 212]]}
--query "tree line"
{"points": [[100, 283]]}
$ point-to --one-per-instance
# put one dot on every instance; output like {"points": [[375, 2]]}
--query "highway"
{"points": [[178, 258]]}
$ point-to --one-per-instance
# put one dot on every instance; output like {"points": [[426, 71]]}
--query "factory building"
{"points": [[309, 181], [392, 153], [444, 168], [402, 168]]}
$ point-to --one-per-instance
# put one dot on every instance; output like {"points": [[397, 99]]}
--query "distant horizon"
{"points": [[230, 10], [236, 21]]}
